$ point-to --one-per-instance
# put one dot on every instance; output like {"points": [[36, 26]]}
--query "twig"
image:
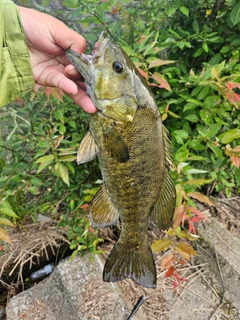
{"points": [[136, 307]]}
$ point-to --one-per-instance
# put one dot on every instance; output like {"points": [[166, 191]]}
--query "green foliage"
{"points": [[39, 173], [82, 237]]}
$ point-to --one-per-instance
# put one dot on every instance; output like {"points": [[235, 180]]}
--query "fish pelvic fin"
{"points": [[87, 150], [163, 210], [103, 213], [125, 261]]}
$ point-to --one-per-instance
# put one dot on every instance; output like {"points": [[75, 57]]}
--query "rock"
{"points": [[221, 251], [75, 290]]}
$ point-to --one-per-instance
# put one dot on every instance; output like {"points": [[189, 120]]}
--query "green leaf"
{"points": [[45, 158], [198, 181], [215, 149], [174, 115], [235, 14], [184, 10], [181, 156], [213, 130], [44, 162], [203, 93], [195, 101], [205, 46], [181, 133], [70, 3], [235, 42], [229, 136], [8, 212], [198, 52], [171, 11], [63, 172], [195, 26], [6, 204], [225, 49], [192, 118], [195, 171], [45, 3], [69, 158]]}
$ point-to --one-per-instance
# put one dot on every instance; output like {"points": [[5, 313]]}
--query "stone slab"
{"points": [[221, 251], [74, 290]]}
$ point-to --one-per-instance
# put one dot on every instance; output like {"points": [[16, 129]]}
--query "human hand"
{"points": [[47, 40]]}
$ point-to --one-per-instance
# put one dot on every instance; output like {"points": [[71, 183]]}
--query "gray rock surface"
{"points": [[223, 259], [74, 291]]}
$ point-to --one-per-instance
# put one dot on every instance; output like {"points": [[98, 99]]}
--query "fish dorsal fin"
{"points": [[163, 210], [116, 145], [102, 212], [87, 150], [167, 148]]}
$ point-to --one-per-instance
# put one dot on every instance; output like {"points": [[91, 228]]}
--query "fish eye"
{"points": [[118, 66]]}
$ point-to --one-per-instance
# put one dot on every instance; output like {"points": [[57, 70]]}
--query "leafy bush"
{"points": [[39, 173]]}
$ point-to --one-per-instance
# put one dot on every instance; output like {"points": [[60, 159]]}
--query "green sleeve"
{"points": [[16, 75]]}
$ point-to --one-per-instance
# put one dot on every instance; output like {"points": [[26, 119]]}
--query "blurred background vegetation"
{"points": [[188, 50]]}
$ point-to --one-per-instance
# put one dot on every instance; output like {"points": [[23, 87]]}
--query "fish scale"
{"points": [[127, 135]]}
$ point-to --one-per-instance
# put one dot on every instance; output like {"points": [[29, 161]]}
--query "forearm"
{"points": [[16, 75]]}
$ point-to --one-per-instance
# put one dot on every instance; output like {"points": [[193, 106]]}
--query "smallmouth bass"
{"points": [[127, 135]]}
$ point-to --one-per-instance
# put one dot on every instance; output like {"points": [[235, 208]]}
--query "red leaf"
{"points": [[114, 11], [230, 97], [184, 217], [167, 261], [91, 229], [198, 213], [178, 216], [55, 92], [196, 219], [235, 161], [177, 276], [163, 83], [143, 73], [48, 92], [191, 228], [85, 207], [169, 272], [200, 197], [177, 280], [232, 85]]}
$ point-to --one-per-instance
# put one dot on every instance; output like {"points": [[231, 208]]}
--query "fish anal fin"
{"points": [[102, 212], [87, 150], [163, 210], [116, 145], [125, 261]]}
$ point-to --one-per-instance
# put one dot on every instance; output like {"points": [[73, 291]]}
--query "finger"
{"points": [[72, 73], [84, 101], [68, 38]]}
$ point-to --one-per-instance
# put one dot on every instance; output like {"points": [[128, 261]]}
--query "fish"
{"points": [[134, 152]]}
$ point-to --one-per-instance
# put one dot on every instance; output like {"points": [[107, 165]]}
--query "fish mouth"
{"points": [[83, 62]]}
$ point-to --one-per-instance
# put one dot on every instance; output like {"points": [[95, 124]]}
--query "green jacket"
{"points": [[16, 75]]}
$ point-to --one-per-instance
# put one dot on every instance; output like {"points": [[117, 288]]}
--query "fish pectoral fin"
{"points": [[125, 261], [102, 212], [163, 210], [87, 150], [116, 145]]}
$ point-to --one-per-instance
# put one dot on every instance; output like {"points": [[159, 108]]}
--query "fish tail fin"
{"points": [[125, 261]]}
